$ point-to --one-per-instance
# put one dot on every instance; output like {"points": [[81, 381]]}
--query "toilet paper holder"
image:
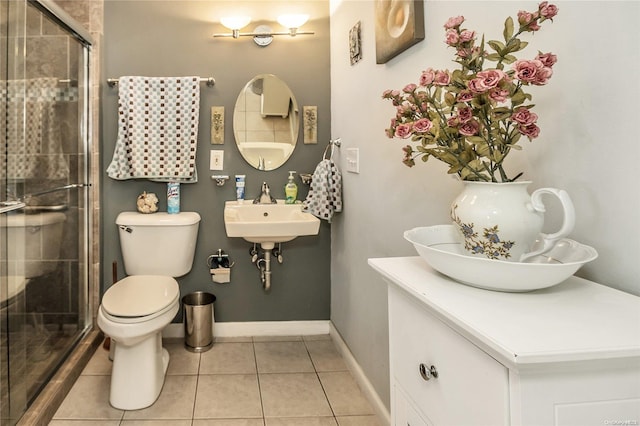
{"points": [[220, 267]]}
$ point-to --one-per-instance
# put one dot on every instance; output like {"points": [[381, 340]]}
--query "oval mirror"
{"points": [[265, 122]]}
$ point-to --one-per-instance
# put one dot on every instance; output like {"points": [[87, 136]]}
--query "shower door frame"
{"points": [[83, 174]]}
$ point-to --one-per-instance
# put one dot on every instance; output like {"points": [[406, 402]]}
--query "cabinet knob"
{"points": [[428, 373]]}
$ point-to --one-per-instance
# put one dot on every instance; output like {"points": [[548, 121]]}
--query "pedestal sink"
{"points": [[268, 224]]}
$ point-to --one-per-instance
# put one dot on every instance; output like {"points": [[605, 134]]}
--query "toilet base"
{"points": [[138, 373]]}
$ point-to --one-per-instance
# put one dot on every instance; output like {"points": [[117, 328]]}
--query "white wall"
{"points": [[589, 146]]}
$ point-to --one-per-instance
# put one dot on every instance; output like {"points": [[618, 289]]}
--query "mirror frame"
{"points": [[266, 128]]}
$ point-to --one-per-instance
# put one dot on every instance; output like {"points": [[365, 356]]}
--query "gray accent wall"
{"points": [[173, 38]]}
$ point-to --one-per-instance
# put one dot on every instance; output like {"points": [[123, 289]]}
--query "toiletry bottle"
{"points": [[173, 197], [240, 182], [290, 190]]}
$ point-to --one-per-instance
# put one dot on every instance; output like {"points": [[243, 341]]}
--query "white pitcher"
{"points": [[501, 221]]}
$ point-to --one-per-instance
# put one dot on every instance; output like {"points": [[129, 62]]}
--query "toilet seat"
{"points": [[139, 298]]}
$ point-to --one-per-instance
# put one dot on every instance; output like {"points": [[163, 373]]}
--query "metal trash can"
{"points": [[197, 314]]}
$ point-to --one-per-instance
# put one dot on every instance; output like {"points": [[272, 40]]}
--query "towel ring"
{"points": [[332, 144]]}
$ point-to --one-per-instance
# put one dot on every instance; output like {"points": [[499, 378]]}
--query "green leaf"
{"points": [[508, 29], [496, 45], [501, 113], [476, 139], [483, 150], [493, 57], [509, 59], [523, 44], [518, 98], [449, 99]]}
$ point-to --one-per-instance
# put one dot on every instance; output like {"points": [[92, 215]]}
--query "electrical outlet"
{"points": [[353, 160], [216, 159]]}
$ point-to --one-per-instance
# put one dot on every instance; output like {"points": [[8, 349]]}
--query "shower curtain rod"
{"points": [[209, 80]]}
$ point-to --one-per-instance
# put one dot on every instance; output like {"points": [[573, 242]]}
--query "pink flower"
{"points": [[524, 117], [442, 78], [409, 88], [529, 20], [453, 122], [454, 22], [423, 125], [531, 131], [498, 95], [526, 70], [465, 96], [542, 76], [547, 11], [477, 85], [427, 77], [465, 114], [452, 37], [403, 131], [463, 53], [491, 78], [547, 59], [524, 17], [469, 128], [467, 35]]}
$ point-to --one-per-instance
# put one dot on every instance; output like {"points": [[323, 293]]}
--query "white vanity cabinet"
{"points": [[567, 355]]}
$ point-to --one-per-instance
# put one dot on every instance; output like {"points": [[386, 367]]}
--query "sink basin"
{"points": [[268, 224]]}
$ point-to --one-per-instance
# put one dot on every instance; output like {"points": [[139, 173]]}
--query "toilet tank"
{"points": [[158, 243], [34, 242]]}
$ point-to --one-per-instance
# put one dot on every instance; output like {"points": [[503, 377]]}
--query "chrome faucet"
{"points": [[265, 196]]}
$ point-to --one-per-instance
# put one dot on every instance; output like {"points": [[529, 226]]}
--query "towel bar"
{"points": [[112, 82]]}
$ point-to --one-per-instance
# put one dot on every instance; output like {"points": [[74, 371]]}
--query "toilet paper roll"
{"points": [[221, 275]]}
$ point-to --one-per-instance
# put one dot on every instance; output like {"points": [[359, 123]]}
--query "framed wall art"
{"points": [[355, 44], [310, 124], [399, 25], [217, 125]]}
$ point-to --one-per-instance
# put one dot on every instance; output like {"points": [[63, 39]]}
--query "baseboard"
{"points": [[257, 328], [359, 376]]}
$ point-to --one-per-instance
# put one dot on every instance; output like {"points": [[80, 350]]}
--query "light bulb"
{"points": [[293, 20], [235, 22]]}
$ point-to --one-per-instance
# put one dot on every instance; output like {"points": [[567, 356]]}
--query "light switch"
{"points": [[216, 159], [353, 160]]}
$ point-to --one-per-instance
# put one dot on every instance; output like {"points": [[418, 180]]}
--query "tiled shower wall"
{"points": [[90, 14]]}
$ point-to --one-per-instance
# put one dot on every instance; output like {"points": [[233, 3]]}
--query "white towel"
{"points": [[325, 195], [157, 129], [33, 137]]}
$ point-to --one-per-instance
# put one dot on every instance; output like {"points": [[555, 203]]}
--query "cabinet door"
{"points": [[405, 412], [471, 387]]}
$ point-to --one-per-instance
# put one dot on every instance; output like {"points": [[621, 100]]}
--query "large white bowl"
{"points": [[440, 247]]}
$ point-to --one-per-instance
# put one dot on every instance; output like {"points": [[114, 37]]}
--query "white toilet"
{"points": [[155, 248], [34, 249]]}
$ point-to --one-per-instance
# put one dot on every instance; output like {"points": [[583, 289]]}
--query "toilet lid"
{"points": [[140, 295]]}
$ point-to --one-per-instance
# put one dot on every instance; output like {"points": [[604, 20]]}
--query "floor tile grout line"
{"points": [[315, 370], [195, 396], [255, 361]]}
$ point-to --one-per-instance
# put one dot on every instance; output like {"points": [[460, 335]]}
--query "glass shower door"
{"points": [[44, 214], [13, 367]]}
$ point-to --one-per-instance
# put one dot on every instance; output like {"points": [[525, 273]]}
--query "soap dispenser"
{"points": [[290, 190]]}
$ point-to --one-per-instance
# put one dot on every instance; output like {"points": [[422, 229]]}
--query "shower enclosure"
{"points": [[44, 197]]}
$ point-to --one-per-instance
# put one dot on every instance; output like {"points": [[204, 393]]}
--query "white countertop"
{"points": [[573, 321]]}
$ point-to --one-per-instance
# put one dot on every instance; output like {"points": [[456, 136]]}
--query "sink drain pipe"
{"points": [[264, 264]]}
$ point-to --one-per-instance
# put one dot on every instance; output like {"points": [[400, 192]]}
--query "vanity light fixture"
{"points": [[235, 24], [263, 35]]}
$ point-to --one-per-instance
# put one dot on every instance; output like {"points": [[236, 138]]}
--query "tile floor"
{"points": [[286, 381]]}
